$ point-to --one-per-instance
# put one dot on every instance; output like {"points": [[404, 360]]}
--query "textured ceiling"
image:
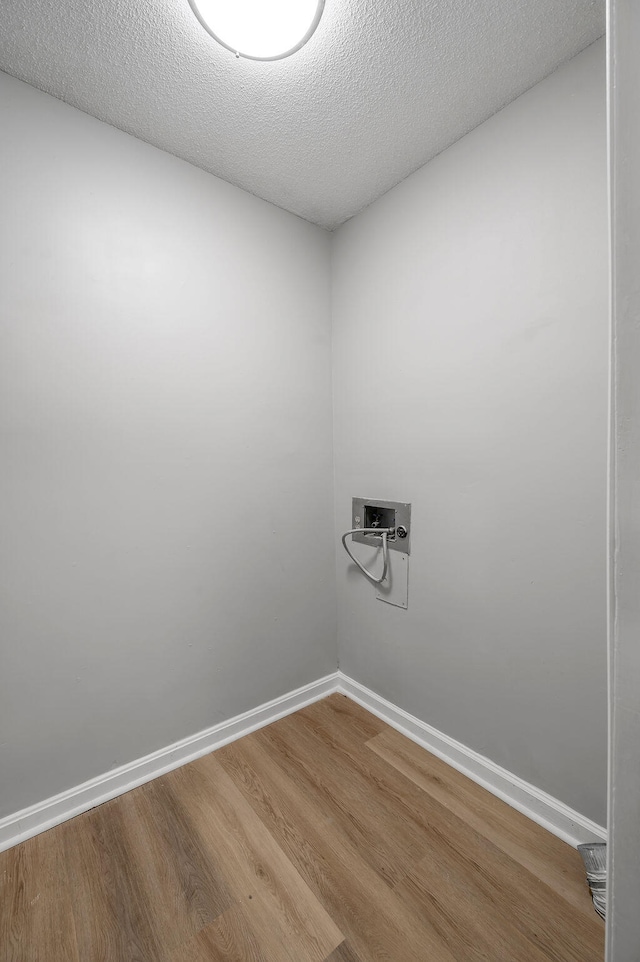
{"points": [[381, 87]]}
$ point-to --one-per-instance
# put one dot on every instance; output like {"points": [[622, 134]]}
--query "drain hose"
{"points": [[384, 532]]}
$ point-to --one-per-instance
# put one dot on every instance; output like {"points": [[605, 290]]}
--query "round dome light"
{"points": [[259, 29]]}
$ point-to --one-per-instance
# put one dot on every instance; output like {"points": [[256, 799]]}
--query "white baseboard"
{"points": [[537, 805], [52, 811], [531, 801]]}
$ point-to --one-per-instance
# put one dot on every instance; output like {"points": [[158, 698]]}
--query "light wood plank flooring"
{"points": [[326, 837]]}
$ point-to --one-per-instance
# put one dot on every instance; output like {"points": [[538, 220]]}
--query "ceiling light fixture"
{"points": [[259, 29]]}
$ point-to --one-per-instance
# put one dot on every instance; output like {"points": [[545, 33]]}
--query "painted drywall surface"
{"points": [[470, 378], [623, 922], [165, 428]]}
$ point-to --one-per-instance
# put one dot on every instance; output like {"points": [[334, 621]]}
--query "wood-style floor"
{"points": [[326, 837]]}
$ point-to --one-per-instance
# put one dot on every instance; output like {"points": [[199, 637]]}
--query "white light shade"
{"points": [[260, 29]]}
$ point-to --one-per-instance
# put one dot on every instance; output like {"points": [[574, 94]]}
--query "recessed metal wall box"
{"points": [[374, 513]]}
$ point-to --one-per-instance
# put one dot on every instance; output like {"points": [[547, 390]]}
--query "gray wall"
{"points": [[165, 421], [470, 378], [623, 921]]}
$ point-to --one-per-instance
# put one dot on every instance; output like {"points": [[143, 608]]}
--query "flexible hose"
{"points": [[385, 532]]}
